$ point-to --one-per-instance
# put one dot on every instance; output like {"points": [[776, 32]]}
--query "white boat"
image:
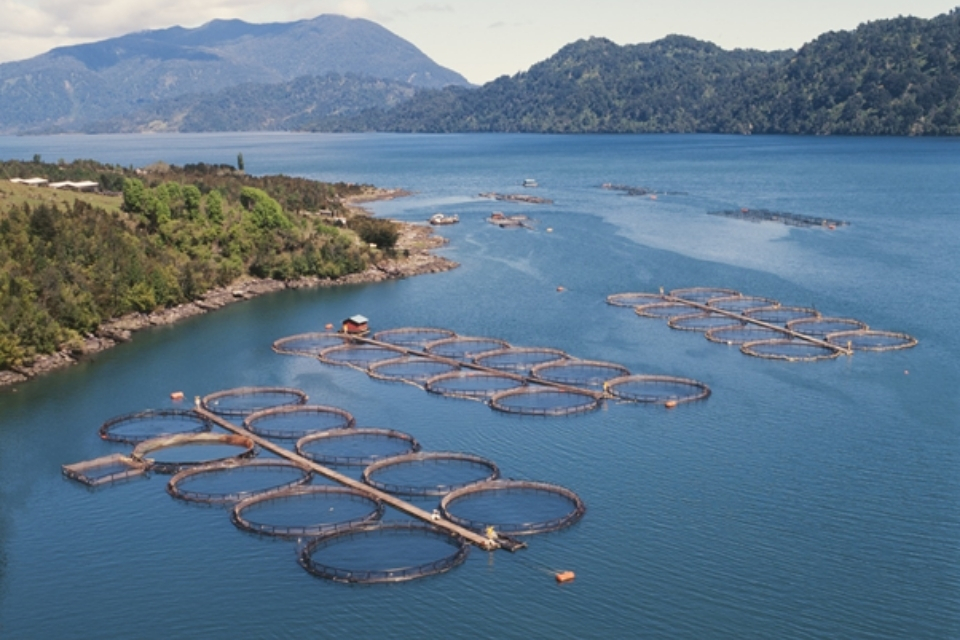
{"points": [[530, 182]]}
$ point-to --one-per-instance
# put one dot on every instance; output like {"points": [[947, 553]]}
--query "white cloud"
{"points": [[355, 9]]}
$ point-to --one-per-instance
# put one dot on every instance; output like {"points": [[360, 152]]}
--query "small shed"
{"points": [[356, 325]]}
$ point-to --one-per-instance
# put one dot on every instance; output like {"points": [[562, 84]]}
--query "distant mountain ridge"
{"points": [[889, 77], [70, 87]]}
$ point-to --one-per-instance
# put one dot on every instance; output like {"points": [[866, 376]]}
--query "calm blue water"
{"points": [[800, 501]]}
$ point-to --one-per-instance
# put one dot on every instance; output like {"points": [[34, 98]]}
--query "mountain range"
{"points": [[889, 77], [72, 88]]}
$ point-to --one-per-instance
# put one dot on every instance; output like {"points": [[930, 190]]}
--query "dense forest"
{"points": [[890, 77], [71, 261]]}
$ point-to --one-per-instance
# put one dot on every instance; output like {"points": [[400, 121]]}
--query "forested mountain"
{"points": [[259, 107], [72, 86], [891, 77]]}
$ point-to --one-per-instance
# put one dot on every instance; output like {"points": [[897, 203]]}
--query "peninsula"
{"points": [[83, 271]]}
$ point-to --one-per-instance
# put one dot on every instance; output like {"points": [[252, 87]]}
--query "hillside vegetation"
{"points": [[68, 262], [891, 77]]}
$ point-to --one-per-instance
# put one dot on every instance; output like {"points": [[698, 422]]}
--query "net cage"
{"points": [[702, 294], [358, 356], [701, 322], [356, 447], [100, 471], [383, 553], [413, 336], [308, 344], [519, 360], [633, 299], [233, 481], [780, 315], [472, 385], [820, 327], [545, 401], [741, 334], [192, 450], [433, 473], [306, 511], [134, 428], [739, 304], [789, 349], [464, 348], [663, 310], [513, 507], [657, 389], [585, 373], [292, 423], [242, 401], [411, 369], [872, 340]]}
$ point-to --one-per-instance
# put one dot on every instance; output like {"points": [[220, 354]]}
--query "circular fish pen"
{"points": [[586, 373], [230, 482], [463, 348], [472, 385], [739, 304], [183, 451], [663, 310], [413, 336], [789, 349], [513, 507], [742, 334], [383, 553], [429, 473], [134, 428], [633, 299], [359, 356], [872, 340], [292, 423], [545, 401], [519, 360], [411, 369], [308, 344], [701, 322], [356, 447], [243, 401], [821, 327], [703, 294], [657, 389], [780, 315], [305, 511]]}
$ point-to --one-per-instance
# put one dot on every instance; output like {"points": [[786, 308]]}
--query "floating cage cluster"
{"points": [[338, 528], [761, 327], [539, 381]]}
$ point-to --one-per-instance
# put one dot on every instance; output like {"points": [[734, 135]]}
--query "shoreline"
{"points": [[418, 240]]}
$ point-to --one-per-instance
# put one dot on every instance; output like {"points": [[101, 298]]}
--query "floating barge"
{"points": [[789, 219], [441, 219]]}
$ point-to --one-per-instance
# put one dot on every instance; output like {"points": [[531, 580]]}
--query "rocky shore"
{"points": [[414, 258]]}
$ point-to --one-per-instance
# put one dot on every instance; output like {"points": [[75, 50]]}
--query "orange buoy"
{"points": [[560, 289], [329, 327], [176, 395], [670, 404], [565, 576]]}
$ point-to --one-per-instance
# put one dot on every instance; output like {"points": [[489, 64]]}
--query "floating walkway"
{"points": [[762, 327], [524, 380], [333, 525]]}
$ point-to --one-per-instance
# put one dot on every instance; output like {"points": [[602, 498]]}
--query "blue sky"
{"points": [[482, 39]]}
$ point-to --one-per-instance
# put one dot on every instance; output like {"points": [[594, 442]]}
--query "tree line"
{"points": [[173, 235]]}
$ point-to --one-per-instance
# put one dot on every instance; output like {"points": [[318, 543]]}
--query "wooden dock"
{"points": [[485, 543]]}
